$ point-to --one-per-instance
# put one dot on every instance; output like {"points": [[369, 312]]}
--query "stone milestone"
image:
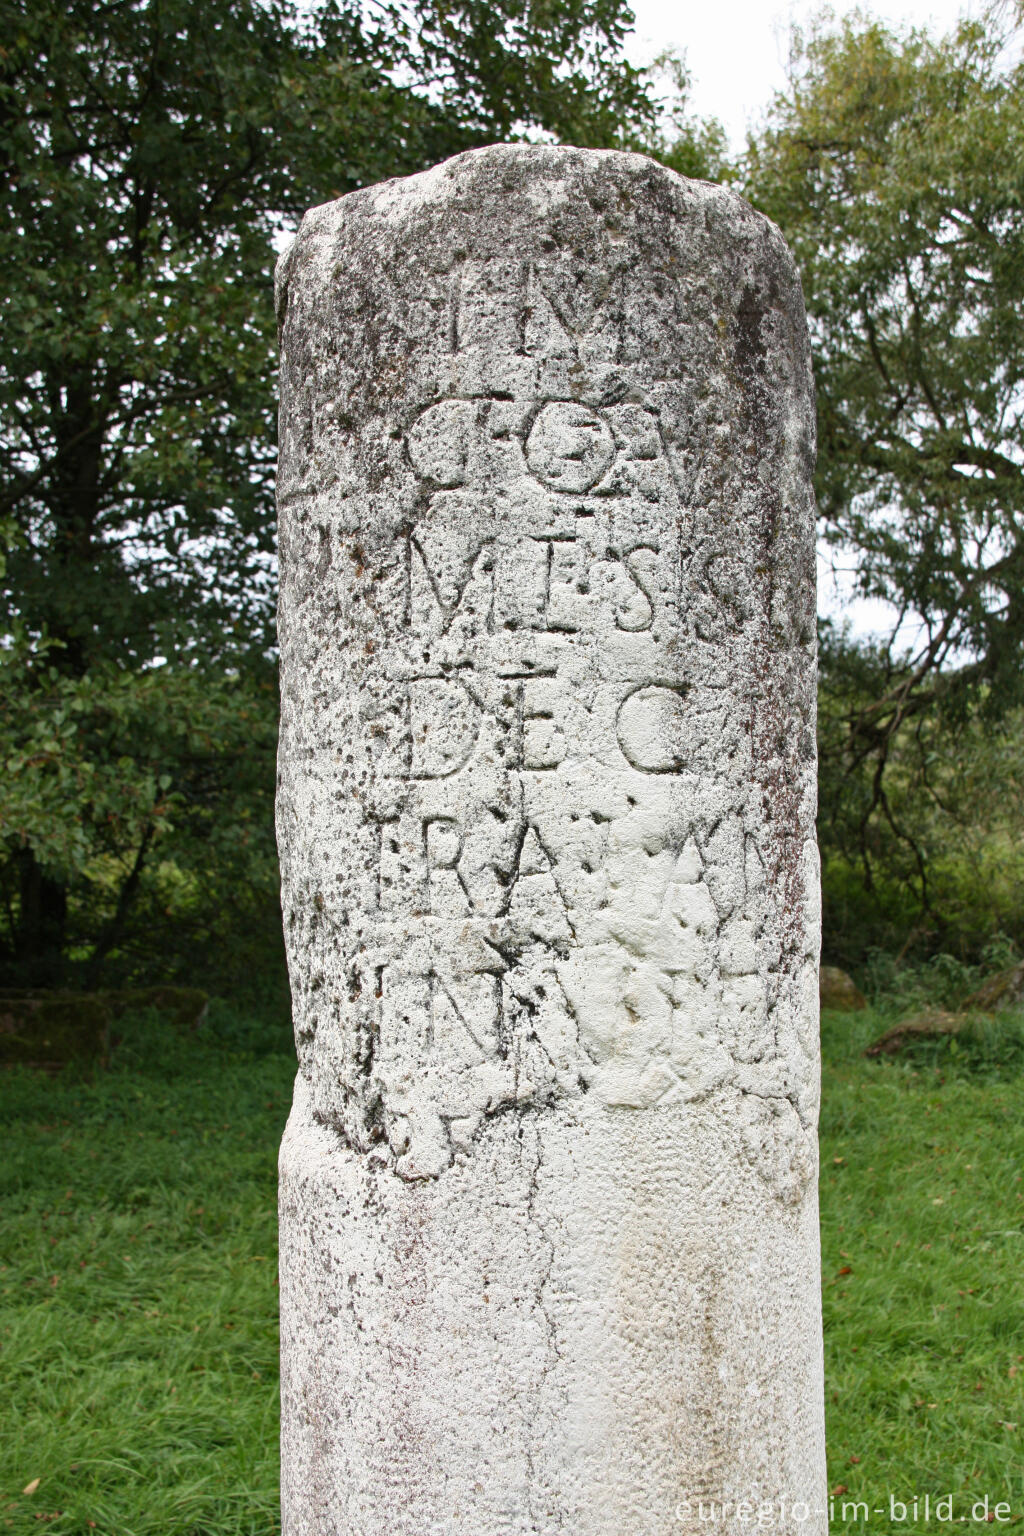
{"points": [[549, 1247]]}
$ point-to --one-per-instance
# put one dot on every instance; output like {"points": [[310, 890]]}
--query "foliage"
{"points": [[138, 1308], [108, 770], [983, 1047], [924, 857], [689, 145], [943, 981], [151, 155], [895, 167], [496, 71]]}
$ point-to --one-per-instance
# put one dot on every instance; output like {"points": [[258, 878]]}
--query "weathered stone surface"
{"points": [[930, 1025], [1004, 990], [50, 1029], [546, 817], [838, 991]]}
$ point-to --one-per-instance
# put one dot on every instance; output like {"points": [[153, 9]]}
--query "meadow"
{"points": [[138, 1286]]}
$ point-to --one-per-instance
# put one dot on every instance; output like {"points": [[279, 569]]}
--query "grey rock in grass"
{"points": [[838, 990], [549, 1246]]}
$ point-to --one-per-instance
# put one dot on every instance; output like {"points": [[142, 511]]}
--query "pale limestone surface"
{"points": [[546, 817]]}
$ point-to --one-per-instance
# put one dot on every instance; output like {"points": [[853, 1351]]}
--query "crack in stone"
{"points": [[546, 819]]}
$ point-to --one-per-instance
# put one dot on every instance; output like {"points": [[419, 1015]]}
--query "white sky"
{"points": [[736, 49], [736, 52]]}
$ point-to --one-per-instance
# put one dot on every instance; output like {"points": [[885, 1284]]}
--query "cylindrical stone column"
{"points": [[549, 1243]]}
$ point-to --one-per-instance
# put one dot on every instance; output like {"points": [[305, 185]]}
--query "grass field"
{"points": [[138, 1297]]}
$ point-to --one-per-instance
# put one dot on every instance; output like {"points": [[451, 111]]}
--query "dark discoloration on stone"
{"points": [[546, 820]]}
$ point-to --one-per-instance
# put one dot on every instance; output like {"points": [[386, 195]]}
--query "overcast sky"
{"points": [[736, 49], [736, 52]]}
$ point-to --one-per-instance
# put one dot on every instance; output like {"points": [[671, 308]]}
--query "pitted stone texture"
{"points": [[546, 817]]}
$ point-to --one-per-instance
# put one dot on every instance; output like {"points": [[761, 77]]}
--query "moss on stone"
{"points": [[50, 1029]]}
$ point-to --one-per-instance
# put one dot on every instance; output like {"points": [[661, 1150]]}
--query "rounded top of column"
{"points": [[695, 275], [508, 170], [536, 198], [542, 173]]}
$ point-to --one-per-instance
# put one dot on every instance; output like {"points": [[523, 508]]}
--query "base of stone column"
{"points": [[579, 1327]]}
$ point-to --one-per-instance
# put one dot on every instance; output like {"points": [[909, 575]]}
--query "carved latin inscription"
{"points": [[566, 893], [564, 883]]}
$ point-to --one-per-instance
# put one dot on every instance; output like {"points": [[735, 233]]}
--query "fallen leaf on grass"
{"points": [[838, 1489], [32, 1486]]}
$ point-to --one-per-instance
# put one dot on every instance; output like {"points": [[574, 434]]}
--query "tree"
{"points": [[894, 165], [151, 151], [146, 799], [687, 144]]}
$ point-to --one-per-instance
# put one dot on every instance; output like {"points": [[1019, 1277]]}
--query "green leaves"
{"points": [[95, 770], [151, 157], [894, 165]]}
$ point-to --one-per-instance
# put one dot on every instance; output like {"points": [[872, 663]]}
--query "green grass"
{"points": [[138, 1292], [138, 1299], [922, 1208]]}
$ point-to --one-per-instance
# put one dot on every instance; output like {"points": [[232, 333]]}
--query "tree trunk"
{"points": [[42, 918]]}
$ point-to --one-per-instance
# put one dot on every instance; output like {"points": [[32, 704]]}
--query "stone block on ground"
{"points": [[838, 991]]}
